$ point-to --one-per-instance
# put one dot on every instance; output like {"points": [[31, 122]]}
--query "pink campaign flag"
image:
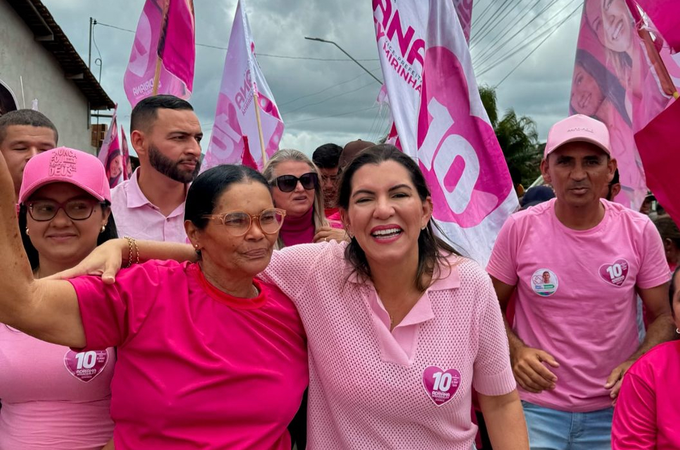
{"points": [[614, 83], [441, 121], [464, 10], [165, 33], [235, 136], [665, 14], [111, 155], [127, 163]]}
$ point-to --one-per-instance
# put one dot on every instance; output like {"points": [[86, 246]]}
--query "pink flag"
{"points": [[127, 173], [441, 121], [665, 14], [165, 33], [464, 10], [111, 155], [614, 83], [235, 136]]}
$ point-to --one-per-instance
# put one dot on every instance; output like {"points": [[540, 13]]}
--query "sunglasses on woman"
{"points": [[287, 183]]}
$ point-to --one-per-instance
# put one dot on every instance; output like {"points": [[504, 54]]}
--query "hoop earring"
{"points": [[677, 331]]}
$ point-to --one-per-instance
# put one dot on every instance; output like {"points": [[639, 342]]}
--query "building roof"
{"points": [[50, 35]]}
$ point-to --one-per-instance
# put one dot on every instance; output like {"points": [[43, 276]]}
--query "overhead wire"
{"points": [[333, 115], [372, 83], [495, 18], [328, 88], [506, 30]]}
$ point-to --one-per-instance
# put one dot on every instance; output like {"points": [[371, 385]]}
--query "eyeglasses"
{"points": [[238, 223], [287, 183], [44, 210]]}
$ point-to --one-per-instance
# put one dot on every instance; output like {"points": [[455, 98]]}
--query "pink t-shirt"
{"points": [[646, 416], [137, 217], [576, 294], [196, 368], [410, 388], [52, 397]]}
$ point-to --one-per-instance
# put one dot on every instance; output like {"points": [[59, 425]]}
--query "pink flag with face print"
{"points": [[441, 121], [165, 33], [127, 163], [111, 154], [235, 137], [665, 14]]}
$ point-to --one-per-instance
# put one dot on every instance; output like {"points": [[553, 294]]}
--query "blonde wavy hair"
{"points": [[277, 158]]}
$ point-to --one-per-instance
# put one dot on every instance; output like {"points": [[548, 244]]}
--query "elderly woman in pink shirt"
{"points": [[646, 415], [400, 328]]}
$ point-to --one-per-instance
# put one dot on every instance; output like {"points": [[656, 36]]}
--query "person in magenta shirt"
{"points": [[208, 356], [646, 416], [575, 264], [51, 396], [400, 327]]}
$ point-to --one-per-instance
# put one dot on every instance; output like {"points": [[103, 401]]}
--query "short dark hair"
{"points": [[27, 117], [327, 156], [210, 185], [672, 289], [146, 112], [615, 179], [432, 251], [110, 232]]}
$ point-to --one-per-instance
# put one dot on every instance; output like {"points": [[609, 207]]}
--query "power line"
{"points": [[508, 27], [476, 20], [537, 47], [333, 115], [329, 98], [326, 89], [493, 17], [268, 55]]}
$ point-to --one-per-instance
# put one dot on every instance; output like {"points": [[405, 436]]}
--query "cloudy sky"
{"points": [[323, 96]]}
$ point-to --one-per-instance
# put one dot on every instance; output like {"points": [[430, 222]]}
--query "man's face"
{"points": [[21, 143], [173, 144], [579, 173], [329, 184]]}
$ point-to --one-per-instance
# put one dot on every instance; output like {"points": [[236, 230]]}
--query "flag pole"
{"points": [[256, 99], [157, 76]]}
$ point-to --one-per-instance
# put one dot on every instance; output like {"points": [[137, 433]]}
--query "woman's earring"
{"points": [[27, 233], [103, 229]]}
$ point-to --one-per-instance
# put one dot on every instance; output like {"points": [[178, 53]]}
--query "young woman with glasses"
{"points": [[52, 396], [208, 355], [294, 181]]}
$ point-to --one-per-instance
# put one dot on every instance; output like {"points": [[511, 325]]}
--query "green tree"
{"points": [[517, 137]]}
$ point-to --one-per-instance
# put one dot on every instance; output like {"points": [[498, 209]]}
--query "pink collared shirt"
{"points": [[138, 218], [410, 388]]}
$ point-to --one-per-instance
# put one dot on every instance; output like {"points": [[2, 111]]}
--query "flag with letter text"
{"points": [[111, 154], [165, 36], [235, 138], [441, 122]]}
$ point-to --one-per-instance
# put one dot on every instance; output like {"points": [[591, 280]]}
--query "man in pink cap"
{"points": [[575, 264]]}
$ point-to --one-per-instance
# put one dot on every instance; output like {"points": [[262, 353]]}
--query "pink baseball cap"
{"points": [[65, 165], [578, 128]]}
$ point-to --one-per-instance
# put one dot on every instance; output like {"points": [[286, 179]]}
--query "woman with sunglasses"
{"points": [[51, 396], [294, 181], [400, 328], [208, 356]]}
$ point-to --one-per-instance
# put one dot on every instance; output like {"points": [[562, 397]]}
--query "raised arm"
{"points": [[45, 309]]}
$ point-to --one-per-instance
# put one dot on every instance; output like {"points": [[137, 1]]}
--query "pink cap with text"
{"points": [[578, 128], [65, 165]]}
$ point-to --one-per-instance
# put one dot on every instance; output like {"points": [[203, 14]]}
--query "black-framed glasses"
{"points": [[287, 183], [76, 209], [238, 223]]}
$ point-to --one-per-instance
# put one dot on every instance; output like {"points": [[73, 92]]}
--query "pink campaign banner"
{"points": [[441, 122], [235, 138], [177, 48], [127, 173], [111, 154], [614, 82], [464, 10], [665, 14]]}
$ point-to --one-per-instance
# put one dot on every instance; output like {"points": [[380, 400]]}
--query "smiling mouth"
{"points": [[617, 30], [387, 233]]}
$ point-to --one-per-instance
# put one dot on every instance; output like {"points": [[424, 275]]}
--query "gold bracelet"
{"points": [[136, 251], [130, 242]]}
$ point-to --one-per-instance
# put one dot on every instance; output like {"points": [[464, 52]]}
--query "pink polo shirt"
{"points": [[52, 397], [410, 388], [196, 368], [646, 416], [576, 294], [138, 218]]}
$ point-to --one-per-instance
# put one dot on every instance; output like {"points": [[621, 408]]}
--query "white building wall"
{"points": [[21, 56]]}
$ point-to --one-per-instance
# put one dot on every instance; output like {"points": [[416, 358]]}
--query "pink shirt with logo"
{"points": [[138, 218], [646, 416], [196, 368], [406, 389], [52, 397], [576, 294]]}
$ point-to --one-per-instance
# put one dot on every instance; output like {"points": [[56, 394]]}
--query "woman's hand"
{"points": [[326, 234], [106, 261]]}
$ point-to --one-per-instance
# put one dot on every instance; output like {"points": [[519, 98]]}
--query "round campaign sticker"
{"points": [[544, 282]]}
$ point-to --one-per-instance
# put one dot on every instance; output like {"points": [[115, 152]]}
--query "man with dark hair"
{"points": [[326, 159], [613, 188], [166, 134], [23, 134]]}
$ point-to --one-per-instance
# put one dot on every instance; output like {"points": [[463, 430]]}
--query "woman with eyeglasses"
{"points": [[52, 396], [294, 181], [208, 356]]}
